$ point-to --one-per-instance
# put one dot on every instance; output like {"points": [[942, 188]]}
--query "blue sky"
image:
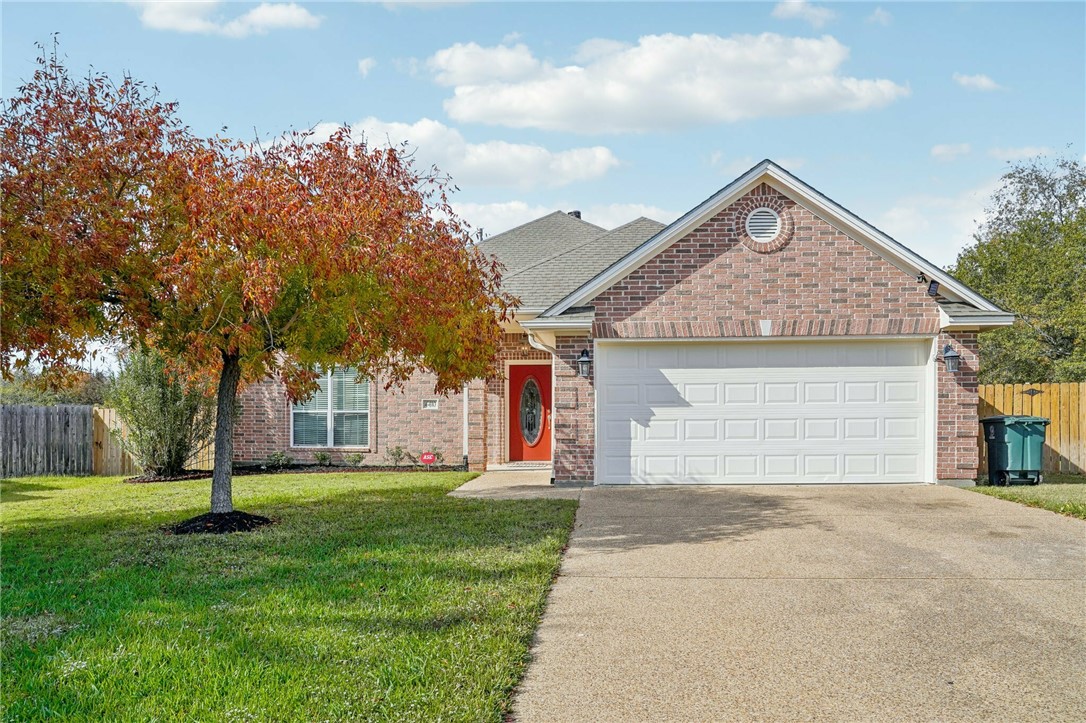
{"points": [[906, 113]]}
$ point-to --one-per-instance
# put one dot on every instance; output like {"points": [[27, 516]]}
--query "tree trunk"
{"points": [[222, 498]]}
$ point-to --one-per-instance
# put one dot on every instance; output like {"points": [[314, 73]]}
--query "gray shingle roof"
{"points": [[548, 258], [958, 309]]}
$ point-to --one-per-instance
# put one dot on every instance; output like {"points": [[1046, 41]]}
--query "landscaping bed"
{"points": [[1061, 493], [372, 597]]}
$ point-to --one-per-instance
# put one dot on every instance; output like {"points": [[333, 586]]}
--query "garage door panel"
{"points": [[809, 422], [701, 430], [662, 430], [741, 394], [781, 392], [700, 394], [861, 392]]}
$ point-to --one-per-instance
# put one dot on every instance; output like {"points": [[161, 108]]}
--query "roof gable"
{"points": [[550, 257], [803, 194]]}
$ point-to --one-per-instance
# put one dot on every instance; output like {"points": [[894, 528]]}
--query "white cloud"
{"points": [[366, 65], [949, 151], [203, 18], [976, 82], [613, 215], [801, 9], [663, 82], [595, 48], [1018, 154], [938, 226], [470, 63], [493, 218], [491, 163], [880, 17], [734, 166]]}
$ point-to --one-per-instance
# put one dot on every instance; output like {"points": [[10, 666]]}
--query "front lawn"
{"points": [[1062, 493], [373, 597]]}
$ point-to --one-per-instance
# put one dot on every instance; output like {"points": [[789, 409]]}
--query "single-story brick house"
{"points": [[767, 336]]}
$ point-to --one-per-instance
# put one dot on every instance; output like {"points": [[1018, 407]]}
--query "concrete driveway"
{"points": [[812, 603]]}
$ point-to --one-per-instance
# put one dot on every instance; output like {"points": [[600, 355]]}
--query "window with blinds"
{"points": [[337, 415]]}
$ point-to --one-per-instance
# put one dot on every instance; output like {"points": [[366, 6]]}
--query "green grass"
{"points": [[374, 597], [1062, 493]]}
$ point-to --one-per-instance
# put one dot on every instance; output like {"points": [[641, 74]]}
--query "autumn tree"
{"points": [[236, 261], [1030, 258]]}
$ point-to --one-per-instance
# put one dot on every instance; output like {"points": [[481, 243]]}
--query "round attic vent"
{"points": [[763, 225]]}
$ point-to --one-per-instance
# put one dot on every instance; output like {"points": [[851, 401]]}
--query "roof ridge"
{"points": [[537, 220], [581, 246], [631, 223]]}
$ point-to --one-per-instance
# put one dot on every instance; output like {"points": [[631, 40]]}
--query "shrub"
{"points": [[322, 458], [168, 418], [278, 460], [395, 455], [354, 459]]}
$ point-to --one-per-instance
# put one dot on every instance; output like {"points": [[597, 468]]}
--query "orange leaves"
{"points": [[118, 222]]}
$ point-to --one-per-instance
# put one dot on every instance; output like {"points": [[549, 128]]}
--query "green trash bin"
{"points": [[1014, 444]]}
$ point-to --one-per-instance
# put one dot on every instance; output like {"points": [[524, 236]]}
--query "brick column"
{"points": [[477, 426], [956, 420], [574, 414]]}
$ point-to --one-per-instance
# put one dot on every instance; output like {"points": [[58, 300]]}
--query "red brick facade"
{"points": [[711, 284], [716, 282], [956, 452], [574, 414], [397, 418], [813, 280]]}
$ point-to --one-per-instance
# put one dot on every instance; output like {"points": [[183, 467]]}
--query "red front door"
{"points": [[529, 412]]}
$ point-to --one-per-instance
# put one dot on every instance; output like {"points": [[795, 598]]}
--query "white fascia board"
{"points": [[975, 321], [832, 212], [558, 324]]}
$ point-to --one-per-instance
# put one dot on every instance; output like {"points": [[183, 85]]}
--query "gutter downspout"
{"points": [[537, 344], [464, 393]]}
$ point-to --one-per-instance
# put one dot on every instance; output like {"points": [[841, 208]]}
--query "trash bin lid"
{"points": [[1017, 419]]}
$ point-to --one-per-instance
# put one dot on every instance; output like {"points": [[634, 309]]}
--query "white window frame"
{"points": [[331, 414]]}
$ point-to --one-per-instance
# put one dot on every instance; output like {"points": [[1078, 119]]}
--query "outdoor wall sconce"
{"points": [[584, 364], [952, 359]]}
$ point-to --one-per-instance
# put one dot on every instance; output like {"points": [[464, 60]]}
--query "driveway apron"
{"points": [[856, 603]]}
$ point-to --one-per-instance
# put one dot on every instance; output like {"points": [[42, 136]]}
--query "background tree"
{"points": [[168, 417], [77, 387], [1030, 258], [235, 260]]}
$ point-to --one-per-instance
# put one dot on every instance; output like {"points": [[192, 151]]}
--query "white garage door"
{"points": [[763, 412]]}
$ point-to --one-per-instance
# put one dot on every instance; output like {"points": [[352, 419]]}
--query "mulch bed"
{"points": [[218, 523], [294, 469]]}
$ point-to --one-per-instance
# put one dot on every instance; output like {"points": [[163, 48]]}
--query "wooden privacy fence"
{"points": [[1064, 404], [110, 457], [70, 439], [45, 440]]}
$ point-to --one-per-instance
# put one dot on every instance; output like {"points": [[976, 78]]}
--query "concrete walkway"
{"points": [[838, 603], [516, 485]]}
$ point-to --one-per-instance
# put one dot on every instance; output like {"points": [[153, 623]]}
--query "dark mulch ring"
{"points": [[296, 469], [218, 523]]}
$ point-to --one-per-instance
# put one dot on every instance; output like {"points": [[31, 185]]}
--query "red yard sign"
{"points": [[427, 457]]}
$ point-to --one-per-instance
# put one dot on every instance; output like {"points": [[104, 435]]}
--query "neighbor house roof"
{"points": [[548, 258]]}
